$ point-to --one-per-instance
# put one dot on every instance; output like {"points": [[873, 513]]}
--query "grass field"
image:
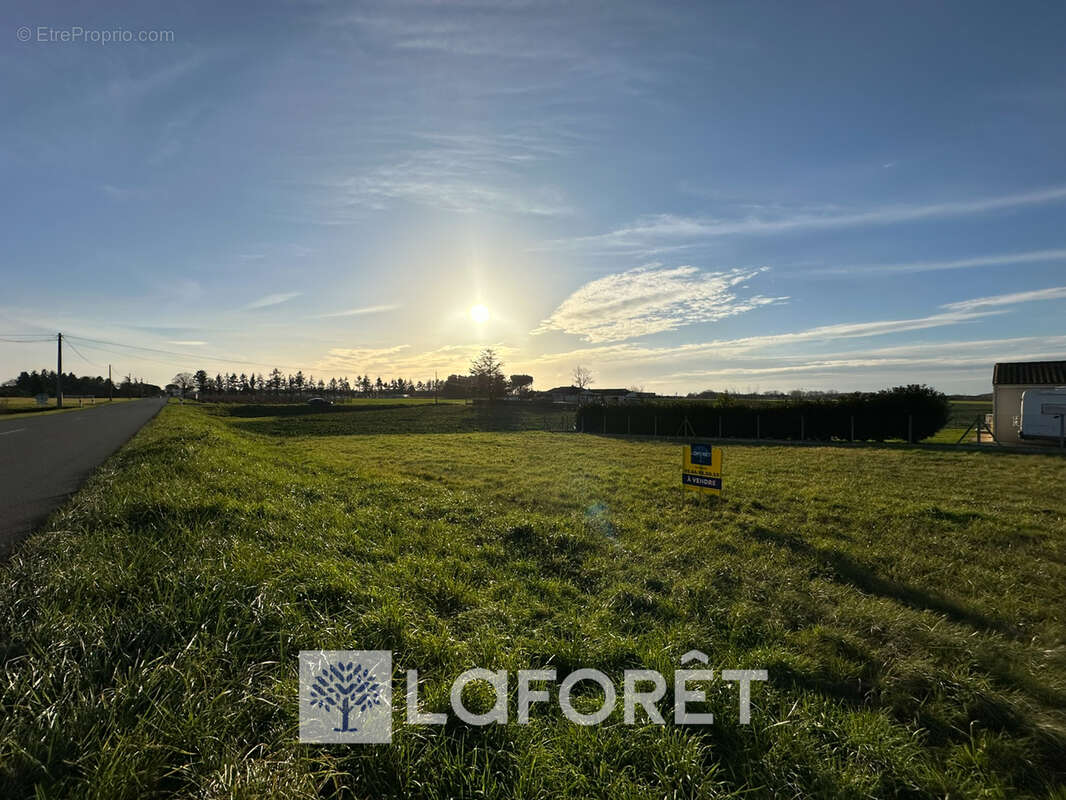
{"points": [[11, 407], [907, 604], [963, 414], [376, 417]]}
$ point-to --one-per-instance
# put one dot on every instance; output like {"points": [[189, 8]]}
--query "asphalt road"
{"points": [[44, 459]]}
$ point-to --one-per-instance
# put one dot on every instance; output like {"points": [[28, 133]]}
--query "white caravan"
{"points": [[1043, 413]]}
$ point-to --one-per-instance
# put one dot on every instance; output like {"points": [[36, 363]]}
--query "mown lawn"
{"points": [[906, 603]]}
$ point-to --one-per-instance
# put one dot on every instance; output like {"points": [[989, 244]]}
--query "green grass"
{"points": [[963, 414], [376, 417], [400, 401], [13, 407], [907, 604]]}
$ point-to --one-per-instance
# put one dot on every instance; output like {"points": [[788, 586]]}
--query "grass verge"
{"points": [[16, 407]]}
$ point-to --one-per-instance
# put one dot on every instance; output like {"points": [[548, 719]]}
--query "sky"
{"points": [[743, 196]]}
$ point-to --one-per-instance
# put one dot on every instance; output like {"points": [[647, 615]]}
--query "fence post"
{"points": [[910, 429], [852, 439], [758, 427], [719, 426]]}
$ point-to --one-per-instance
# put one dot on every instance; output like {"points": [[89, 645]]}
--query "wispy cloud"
{"points": [[122, 192], [654, 230], [651, 299], [357, 312], [456, 172], [1029, 257], [272, 300], [188, 342], [403, 361], [133, 87], [631, 354], [1053, 293], [847, 365]]}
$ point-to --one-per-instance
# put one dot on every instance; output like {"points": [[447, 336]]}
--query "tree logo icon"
{"points": [[347, 686], [346, 696]]}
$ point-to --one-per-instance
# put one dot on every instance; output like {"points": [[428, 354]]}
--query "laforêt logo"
{"points": [[346, 696]]}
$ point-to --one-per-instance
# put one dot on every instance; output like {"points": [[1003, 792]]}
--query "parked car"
{"points": [[319, 401]]}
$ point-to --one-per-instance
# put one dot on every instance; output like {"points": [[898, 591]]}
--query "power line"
{"points": [[126, 354], [83, 358], [98, 344], [192, 356]]}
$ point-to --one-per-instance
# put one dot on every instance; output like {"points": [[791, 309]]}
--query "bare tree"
{"points": [[184, 381], [582, 377]]}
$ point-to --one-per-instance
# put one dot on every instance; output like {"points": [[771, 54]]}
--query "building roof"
{"points": [[609, 391], [1035, 373]]}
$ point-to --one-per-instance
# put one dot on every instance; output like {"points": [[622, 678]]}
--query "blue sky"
{"points": [[716, 195]]}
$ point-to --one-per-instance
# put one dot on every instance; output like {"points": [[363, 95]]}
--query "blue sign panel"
{"points": [[701, 454]]}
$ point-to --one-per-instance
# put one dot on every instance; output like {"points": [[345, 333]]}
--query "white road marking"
{"points": [[5, 433]]}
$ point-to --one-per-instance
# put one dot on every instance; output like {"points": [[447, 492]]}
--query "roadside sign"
{"points": [[701, 469]]}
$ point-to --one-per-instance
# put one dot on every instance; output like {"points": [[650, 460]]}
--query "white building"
{"points": [[1009, 381]]}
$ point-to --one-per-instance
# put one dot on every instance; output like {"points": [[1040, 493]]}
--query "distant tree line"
{"points": [[914, 411], [794, 394], [29, 384], [486, 379]]}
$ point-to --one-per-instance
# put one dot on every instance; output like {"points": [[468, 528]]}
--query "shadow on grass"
{"points": [[395, 419], [933, 447], [303, 410], [846, 569]]}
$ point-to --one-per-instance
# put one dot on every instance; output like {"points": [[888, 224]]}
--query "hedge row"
{"points": [[914, 412]]}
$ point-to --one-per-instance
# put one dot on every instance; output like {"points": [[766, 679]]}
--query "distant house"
{"points": [[565, 394], [575, 395], [1009, 381], [609, 397]]}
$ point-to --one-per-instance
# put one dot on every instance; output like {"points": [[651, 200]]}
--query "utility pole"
{"points": [[110, 385], [59, 371], [435, 384]]}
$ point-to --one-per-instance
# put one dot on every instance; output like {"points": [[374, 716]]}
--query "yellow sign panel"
{"points": [[701, 468]]}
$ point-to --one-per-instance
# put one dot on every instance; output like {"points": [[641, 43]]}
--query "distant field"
{"points": [[416, 415], [907, 604], [372, 417], [27, 405], [963, 414], [400, 401]]}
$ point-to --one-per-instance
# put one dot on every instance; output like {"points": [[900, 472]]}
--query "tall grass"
{"points": [[907, 605]]}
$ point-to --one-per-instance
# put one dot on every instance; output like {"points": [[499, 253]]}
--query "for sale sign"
{"points": [[701, 468]]}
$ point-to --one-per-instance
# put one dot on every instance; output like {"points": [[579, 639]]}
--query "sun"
{"points": [[479, 314]]}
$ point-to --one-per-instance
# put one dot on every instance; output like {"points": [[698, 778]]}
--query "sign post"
{"points": [[701, 470]]}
